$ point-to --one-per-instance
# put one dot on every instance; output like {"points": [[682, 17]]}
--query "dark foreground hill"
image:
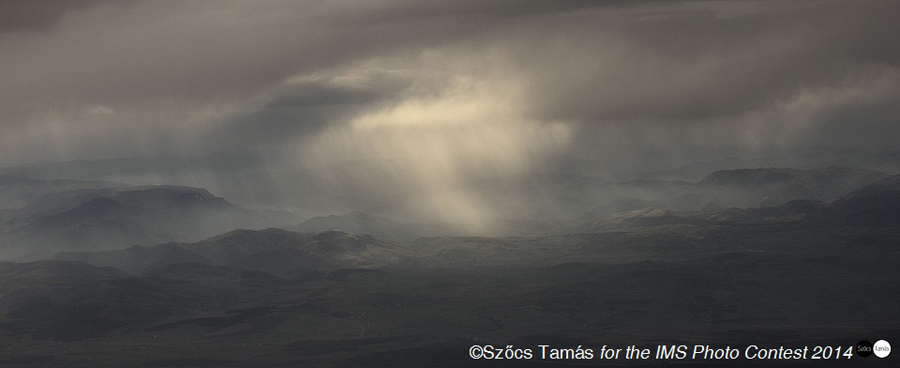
{"points": [[673, 284]]}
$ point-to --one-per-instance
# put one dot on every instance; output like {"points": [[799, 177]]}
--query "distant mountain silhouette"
{"points": [[780, 185], [21, 191], [720, 190], [105, 219], [874, 205]]}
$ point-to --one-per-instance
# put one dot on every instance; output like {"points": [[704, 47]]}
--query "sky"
{"points": [[437, 94]]}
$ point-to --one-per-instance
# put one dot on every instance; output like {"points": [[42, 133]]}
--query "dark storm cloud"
{"points": [[303, 106], [473, 10], [152, 75], [38, 15], [696, 65]]}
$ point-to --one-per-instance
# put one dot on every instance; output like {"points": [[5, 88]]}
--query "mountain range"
{"points": [[167, 276]]}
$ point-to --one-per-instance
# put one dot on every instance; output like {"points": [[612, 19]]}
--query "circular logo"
{"points": [[864, 348], [882, 349]]}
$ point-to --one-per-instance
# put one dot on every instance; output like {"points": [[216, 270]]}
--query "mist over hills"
{"points": [[99, 215], [21, 192], [110, 218], [736, 256], [271, 180]]}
